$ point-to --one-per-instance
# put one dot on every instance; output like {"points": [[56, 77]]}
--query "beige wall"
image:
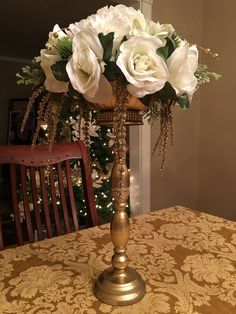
{"points": [[179, 184], [217, 163], [201, 169]]}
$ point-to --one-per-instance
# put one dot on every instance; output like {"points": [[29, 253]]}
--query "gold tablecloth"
{"points": [[187, 259]]}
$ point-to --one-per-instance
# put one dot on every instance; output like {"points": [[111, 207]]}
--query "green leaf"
{"points": [[107, 44], [204, 76], [171, 46], [59, 71], [112, 72], [31, 75], [163, 52], [166, 93], [118, 50], [184, 102]]}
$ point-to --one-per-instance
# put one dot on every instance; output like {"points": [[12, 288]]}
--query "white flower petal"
{"points": [[103, 94], [182, 65], [51, 83], [142, 67], [85, 66]]}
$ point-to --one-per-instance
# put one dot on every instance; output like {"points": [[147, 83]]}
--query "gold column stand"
{"points": [[120, 284]]}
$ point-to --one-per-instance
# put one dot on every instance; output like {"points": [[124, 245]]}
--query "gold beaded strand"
{"points": [[166, 130]]}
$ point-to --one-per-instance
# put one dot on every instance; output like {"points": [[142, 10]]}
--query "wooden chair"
{"points": [[38, 170]]}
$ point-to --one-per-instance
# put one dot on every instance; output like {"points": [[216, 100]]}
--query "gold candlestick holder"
{"points": [[120, 284]]}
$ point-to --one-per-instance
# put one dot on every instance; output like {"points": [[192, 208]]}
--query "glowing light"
{"points": [[44, 126]]}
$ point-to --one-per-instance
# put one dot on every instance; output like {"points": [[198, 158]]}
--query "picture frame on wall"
{"points": [[16, 115]]}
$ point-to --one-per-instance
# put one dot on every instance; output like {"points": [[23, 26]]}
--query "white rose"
{"points": [[50, 56], [146, 71], [182, 65], [160, 30], [119, 19], [85, 66], [129, 20]]}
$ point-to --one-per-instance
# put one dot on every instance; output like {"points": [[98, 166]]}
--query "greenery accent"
{"points": [[31, 75], [184, 102], [107, 44], [176, 39], [204, 76], [163, 52], [166, 51], [153, 112], [165, 94], [111, 71], [59, 71], [64, 46]]}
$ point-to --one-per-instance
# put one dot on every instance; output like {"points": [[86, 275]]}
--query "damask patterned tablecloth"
{"points": [[187, 259]]}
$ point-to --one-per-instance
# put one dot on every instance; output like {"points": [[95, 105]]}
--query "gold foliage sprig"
{"points": [[31, 102], [40, 118], [166, 132], [214, 55]]}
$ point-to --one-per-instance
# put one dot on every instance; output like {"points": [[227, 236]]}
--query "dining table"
{"points": [[187, 259]]}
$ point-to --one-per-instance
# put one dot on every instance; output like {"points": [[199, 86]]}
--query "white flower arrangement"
{"points": [[117, 43]]}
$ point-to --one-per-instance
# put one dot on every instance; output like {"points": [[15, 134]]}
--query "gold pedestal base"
{"points": [[119, 286]]}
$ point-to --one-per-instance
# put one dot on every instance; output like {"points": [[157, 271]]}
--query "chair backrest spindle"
{"points": [[45, 204]]}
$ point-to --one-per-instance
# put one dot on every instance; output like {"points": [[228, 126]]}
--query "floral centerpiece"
{"points": [[80, 63], [115, 60]]}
